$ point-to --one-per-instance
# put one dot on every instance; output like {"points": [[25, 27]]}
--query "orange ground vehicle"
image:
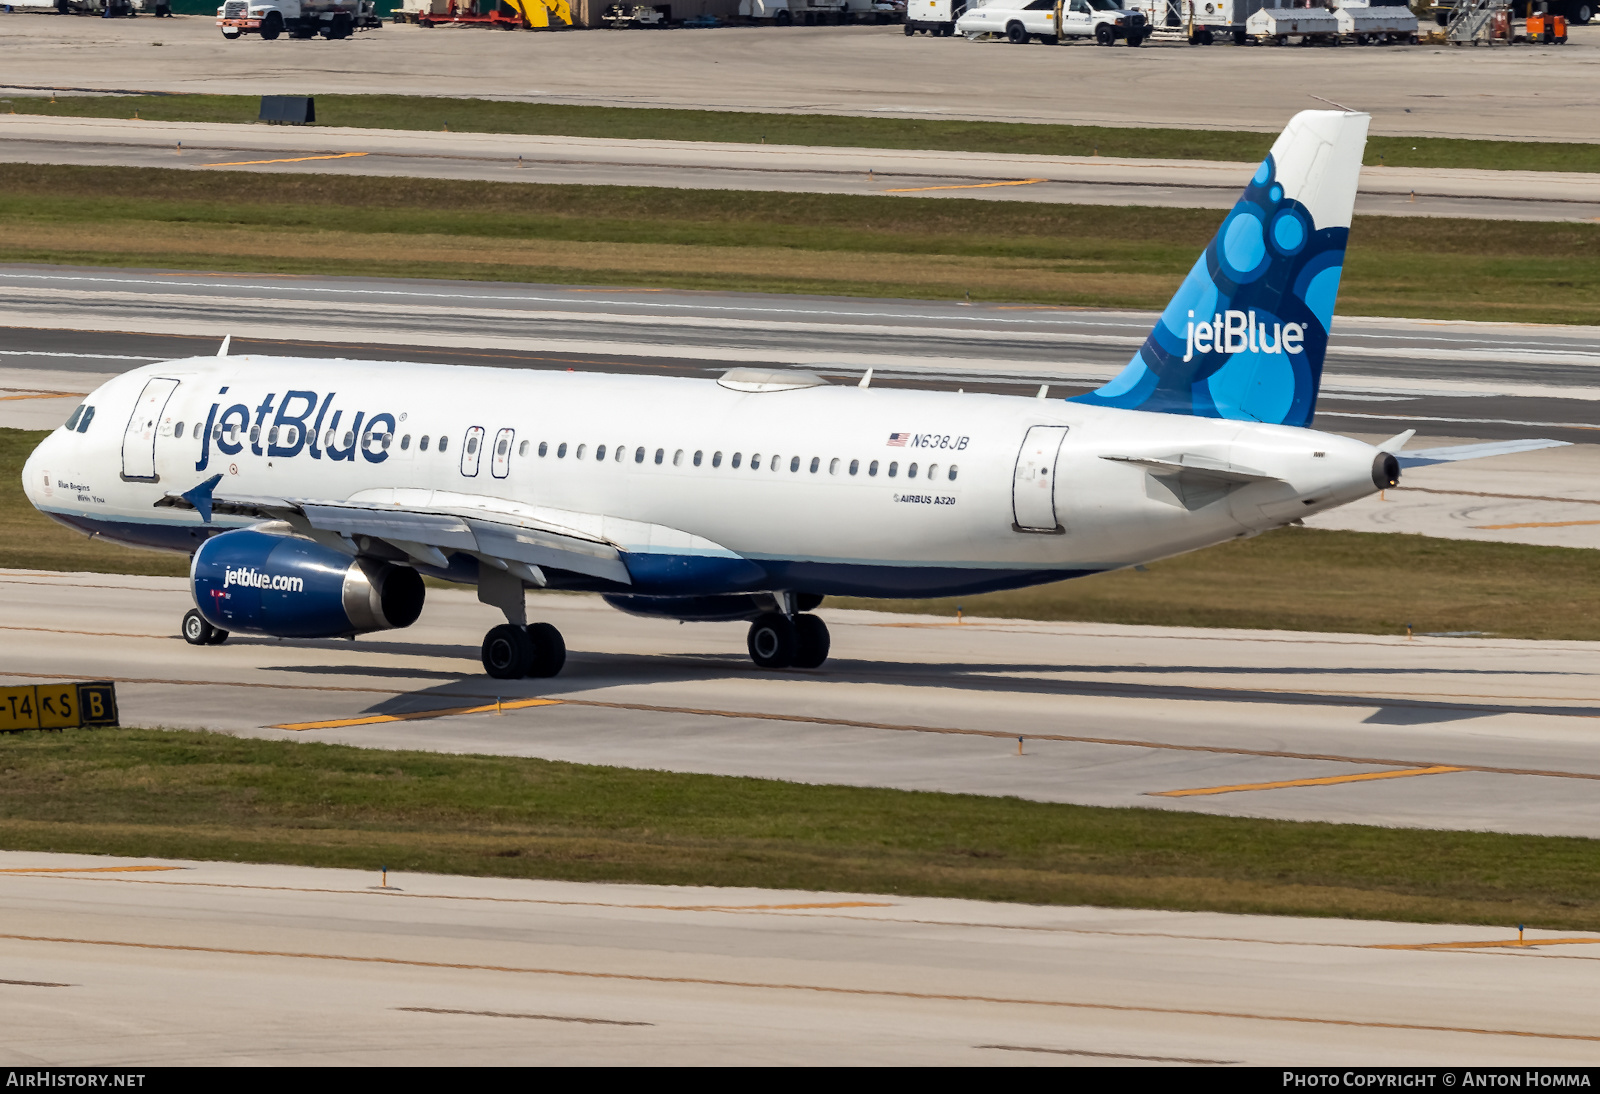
{"points": [[1547, 28]]}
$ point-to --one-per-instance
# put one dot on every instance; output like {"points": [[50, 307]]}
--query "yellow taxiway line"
{"points": [[1512, 943], [966, 186], [415, 715], [296, 159], [1536, 524], [87, 869], [1329, 780]]}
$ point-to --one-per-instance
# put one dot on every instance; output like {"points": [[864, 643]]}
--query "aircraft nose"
{"points": [[35, 471]]}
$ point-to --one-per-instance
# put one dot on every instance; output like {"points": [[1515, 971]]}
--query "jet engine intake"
{"points": [[288, 587]]}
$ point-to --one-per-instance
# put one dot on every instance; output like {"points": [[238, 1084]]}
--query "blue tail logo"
{"points": [[1244, 337]]}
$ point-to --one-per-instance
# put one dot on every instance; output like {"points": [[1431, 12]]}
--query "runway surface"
{"points": [[135, 963], [1086, 179], [1513, 94], [1463, 733]]}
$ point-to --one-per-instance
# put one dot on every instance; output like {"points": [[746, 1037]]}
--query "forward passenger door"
{"points": [[139, 438]]}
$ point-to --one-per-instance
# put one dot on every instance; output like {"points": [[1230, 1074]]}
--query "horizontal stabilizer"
{"points": [[1196, 467], [1424, 457]]}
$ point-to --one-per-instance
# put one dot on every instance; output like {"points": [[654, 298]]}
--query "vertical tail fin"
{"points": [[1245, 335]]}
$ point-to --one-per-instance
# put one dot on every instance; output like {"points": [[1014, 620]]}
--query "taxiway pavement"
{"points": [[133, 963], [1465, 733], [1517, 93], [699, 165]]}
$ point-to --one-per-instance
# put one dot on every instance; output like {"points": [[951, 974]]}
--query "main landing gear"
{"points": [[778, 641], [197, 632], [511, 652]]}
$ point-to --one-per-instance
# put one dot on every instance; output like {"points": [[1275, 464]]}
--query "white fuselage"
{"points": [[784, 478]]}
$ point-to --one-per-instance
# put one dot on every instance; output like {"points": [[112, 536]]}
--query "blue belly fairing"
{"points": [[669, 574]]}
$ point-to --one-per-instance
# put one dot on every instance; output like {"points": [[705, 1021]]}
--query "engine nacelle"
{"points": [[288, 587]]}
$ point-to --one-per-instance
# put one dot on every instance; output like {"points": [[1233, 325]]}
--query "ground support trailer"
{"points": [[1278, 24], [635, 16], [1375, 24], [106, 9]]}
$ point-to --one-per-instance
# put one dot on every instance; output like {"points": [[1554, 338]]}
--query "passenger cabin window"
{"points": [[522, 449], [677, 458], [622, 450], [638, 455], [755, 461], [716, 459], [855, 465], [444, 442], [794, 463], [544, 447], [177, 431], [933, 471], [255, 434], [894, 468], [911, 472], [405, 442], [872, 468], [600, 452], [561, 450], [952, 473], [734, 462], [697, 455], [833, 466], [816, 462], [422, 445], [660, 452], [582, 448]]}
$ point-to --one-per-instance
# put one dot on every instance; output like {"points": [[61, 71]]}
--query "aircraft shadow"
{"points": [[586, 671]]}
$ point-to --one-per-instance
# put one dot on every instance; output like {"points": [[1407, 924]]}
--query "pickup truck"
{"points": [[1022, 21]]}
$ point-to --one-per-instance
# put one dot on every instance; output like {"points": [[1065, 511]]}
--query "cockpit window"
{"points": [[72, 422], [83, 422]]}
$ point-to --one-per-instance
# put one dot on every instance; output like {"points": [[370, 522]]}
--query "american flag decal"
{"points": [[898, 440]]}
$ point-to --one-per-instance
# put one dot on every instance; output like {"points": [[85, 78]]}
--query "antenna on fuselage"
{"points": [[1044, 390], [866, 379], [222, 350]]}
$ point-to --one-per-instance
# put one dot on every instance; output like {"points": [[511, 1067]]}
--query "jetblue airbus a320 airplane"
{"points": [[313, 495]]}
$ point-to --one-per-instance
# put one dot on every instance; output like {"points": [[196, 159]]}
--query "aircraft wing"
{"points": [[519, 542]]}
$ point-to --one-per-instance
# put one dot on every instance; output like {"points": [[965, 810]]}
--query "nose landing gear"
{"points": [[777, 641], [197, 632]]}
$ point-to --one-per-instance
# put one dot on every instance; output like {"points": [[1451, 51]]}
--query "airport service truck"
{"points": [[935, 17], [296, 18], [786, 12]]}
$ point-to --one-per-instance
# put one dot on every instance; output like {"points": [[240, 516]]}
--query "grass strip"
{"points": [[1304, 579], [750, 241], [1293, 579], [423, 113], [196, 795]]}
